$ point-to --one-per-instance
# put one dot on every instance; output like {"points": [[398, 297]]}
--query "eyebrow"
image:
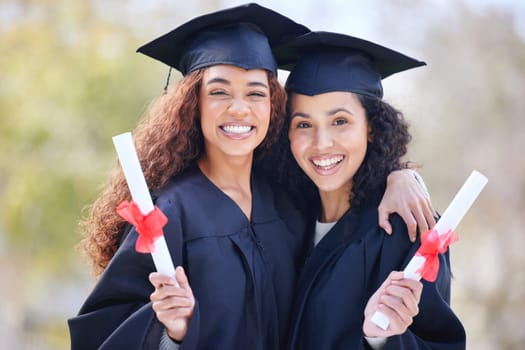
{"points": [[299, 114], [227, 82], [329, 113], [337, 110]]}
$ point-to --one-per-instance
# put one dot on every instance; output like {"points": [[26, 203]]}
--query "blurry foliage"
{"points": [[68, 85], [484, 77], [468, 115], [69, 80]]}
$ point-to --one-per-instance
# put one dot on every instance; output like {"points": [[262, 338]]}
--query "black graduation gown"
{"points": [[242, 273], [343, 271]]}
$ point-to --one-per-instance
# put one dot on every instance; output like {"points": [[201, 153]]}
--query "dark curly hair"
{"points": [[390, 138], [168, 140]]}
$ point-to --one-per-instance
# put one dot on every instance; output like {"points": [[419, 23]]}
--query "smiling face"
{"points": [[328, 138], [234, 110]]}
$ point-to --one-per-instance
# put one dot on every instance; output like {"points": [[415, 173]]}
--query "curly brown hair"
{"points": [[168, 140], [390, 138]]}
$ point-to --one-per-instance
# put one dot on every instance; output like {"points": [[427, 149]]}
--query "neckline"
{"points": [[227, 197]]}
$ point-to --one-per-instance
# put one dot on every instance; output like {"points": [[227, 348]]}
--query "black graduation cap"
{"points": [[323, 62], [241, 36]]}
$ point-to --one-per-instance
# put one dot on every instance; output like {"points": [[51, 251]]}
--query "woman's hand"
{"points": [[398, 299], [405, 195], [173, 302]]}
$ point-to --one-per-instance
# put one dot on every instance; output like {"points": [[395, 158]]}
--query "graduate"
{"points": [[345, 140], [237, 240]]}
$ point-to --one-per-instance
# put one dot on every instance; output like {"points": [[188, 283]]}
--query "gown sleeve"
{"points": [[118, 314], [436, 326]]}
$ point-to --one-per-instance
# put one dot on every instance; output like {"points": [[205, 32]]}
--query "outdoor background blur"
{"points": [[70, 80]]}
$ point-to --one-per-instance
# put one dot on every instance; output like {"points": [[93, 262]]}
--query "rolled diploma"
{"points": [[139, 192], [448, 221]]}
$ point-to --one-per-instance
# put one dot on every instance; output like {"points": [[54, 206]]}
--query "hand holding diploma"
{"points": [[398, 299], [141, 213], [173, 302], [424, 263]]}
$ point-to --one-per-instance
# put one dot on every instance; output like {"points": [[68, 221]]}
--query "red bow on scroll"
{"points": [[433, 244], [148, 226]]}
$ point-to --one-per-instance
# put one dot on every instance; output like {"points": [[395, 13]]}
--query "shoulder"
{"points": [[190, 189], [368, 216], [399, 237], [396, 245], [178, 184]]}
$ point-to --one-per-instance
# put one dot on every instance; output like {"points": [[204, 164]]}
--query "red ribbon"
{"points": [[148, 226], [433, 244]]}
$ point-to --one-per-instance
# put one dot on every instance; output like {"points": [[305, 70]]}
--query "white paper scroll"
{"points": [[140, 195], [448, 221]]}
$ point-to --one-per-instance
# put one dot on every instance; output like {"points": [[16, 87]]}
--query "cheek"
{"points": [[265, 111], [263, 115], [361, 144], [203, 118], [297, 146], [209, 113], [358, 137], [207, 122]]}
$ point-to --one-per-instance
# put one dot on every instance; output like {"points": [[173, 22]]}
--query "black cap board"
{"points": [[324, 61], [241, 36]]}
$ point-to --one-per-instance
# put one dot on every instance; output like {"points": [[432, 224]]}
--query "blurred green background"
{"points": [[70, 80]]}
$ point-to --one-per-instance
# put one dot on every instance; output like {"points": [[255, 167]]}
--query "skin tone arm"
{"points": [[406, 197], [397, 298], [173, 302]]}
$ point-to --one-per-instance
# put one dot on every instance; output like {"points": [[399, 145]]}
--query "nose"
{"points": [[238, 107], [323, 139]]}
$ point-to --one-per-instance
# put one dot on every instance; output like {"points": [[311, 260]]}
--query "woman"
{"points": [[239, 241], [225, 225], [346, 140]]}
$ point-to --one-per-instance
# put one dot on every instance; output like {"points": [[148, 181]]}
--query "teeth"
{"points": [[327, 162], [237, 129]]}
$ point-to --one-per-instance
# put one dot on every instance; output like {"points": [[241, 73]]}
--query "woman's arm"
{"points": [[407, 196], [117, 313]]}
